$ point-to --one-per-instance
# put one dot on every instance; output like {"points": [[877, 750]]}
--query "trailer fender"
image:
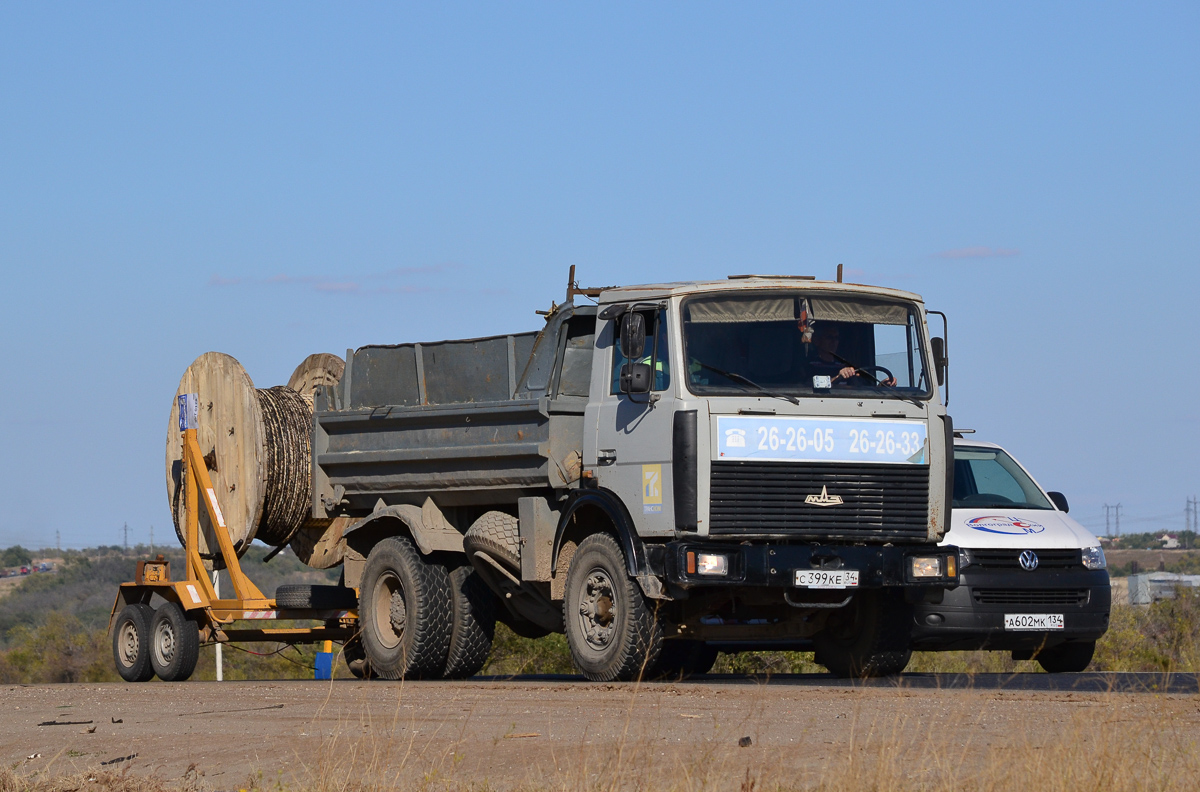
{"points": [[589, 511]]}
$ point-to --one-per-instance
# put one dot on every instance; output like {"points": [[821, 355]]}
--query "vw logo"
{"points": [[1029, 560]]}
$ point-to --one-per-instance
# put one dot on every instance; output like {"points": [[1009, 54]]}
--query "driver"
{"points": [[827, 362]]}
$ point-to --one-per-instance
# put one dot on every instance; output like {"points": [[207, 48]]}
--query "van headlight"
{"points": [[1093, 558]]}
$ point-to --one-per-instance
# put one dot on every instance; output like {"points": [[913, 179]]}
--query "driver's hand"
{"points": [[846, 373], [891, 383]]}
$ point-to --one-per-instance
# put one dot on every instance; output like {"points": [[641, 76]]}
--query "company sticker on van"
{"points": [[1010, 526], [788, 439]]}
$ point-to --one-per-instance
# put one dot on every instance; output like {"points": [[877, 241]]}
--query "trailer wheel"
{"points": [[681, 659], [131, 643], [473, 626], [174, 643], [404, 606], [868, 638], [1067, 658], [613, 631]]}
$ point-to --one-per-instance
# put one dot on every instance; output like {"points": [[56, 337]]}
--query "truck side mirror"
{"points": [[635, 378], [1060, 501], [939, 359], [633, 335]]}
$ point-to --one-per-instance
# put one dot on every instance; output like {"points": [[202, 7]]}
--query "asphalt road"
{"points": [[565, 732]]}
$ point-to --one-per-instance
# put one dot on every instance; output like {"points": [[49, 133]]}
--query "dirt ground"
{"points": [[560, 732]]}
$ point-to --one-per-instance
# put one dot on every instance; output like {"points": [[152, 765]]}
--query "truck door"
{"points": [[633, 430]]}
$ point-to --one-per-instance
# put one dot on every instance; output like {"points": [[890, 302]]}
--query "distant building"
{"points": [[1170, 541]]}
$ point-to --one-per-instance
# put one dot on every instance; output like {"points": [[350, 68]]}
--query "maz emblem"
{"points": [[824, 499]]}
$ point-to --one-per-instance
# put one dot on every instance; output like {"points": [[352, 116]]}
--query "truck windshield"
{"points": [[986, 478], [803, 345]]}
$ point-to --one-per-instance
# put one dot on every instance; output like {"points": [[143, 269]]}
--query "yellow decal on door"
{"points": [[652, 489]]}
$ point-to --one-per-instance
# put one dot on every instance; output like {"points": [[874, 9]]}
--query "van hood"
{"points": [[1027, 529]]}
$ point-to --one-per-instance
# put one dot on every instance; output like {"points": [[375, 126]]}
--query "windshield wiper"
{"points": [[746, 381]]}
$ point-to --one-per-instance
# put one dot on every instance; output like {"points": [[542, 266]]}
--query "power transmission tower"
{"points": [[1107, 524], [126, 530], [1117, 512], [151, 540], [58, 540]]}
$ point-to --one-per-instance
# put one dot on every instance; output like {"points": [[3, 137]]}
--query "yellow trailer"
{"points": [[158, 624]]}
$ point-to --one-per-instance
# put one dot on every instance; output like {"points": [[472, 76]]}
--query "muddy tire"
{"points": [[1067, 658], [404, 607], [474, 624], [174, 643], [497, 534], [131, 643], [681, 659], [315, 597], [612, 628], [869, 638]]}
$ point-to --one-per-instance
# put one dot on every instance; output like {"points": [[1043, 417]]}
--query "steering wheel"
{"points": [[867, 371]]}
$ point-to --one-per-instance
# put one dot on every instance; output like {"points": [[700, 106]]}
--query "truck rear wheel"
{"points": [[1067, 658], [131, 643], [869, 638], [404, 607], [174, 643], [612, 630], [473, 626]]}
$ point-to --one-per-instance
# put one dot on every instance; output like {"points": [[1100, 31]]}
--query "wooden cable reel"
{"points": [[256, 445]]}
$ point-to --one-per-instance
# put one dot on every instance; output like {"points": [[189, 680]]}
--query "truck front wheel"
{"points": [[405, 610], [612, 629], [869, 638]]}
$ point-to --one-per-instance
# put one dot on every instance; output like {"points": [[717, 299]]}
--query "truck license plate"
{"points": [[827, 578], [1033, 621]]}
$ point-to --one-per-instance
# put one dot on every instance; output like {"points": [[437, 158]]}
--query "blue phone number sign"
{"points": [[784, 439]]}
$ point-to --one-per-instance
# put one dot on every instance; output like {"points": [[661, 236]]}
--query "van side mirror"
{"points": [[633, 335], [939, 358], [1060, 501], [635, 377]]}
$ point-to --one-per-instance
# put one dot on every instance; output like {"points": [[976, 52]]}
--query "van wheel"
{"points": [[131, 643], [867, 638], [612, 630], [1067, 658], [404, 606], [174, 643], [473, 626]]}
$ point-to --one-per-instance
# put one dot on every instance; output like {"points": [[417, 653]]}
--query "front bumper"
{"points": [[962, 621], [775, 565]]}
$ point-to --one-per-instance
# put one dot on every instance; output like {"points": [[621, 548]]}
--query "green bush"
{"points": [[15, 556]]}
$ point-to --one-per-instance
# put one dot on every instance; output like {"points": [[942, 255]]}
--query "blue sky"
{"points": [[281, 179]]}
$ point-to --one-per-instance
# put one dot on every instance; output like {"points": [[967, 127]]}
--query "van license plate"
{"points": [[826, 578], [1033, 621]]}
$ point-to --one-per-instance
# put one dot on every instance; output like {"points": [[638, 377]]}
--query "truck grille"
{"points": [[879, 502], [1007, 559], [1060, 596]]}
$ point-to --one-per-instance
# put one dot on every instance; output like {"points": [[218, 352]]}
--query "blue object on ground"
{"points": [[324, 669]]}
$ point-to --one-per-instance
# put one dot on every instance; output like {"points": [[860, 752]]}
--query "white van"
{"points": [[1032, 580]]}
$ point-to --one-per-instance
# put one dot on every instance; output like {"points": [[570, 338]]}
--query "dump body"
{"points": [[470, 422]]}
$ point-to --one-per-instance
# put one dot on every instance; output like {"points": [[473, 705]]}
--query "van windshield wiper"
{"points": [[747, 382]]}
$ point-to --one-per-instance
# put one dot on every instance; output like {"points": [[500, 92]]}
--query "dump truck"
{"points": [[661, 472]]}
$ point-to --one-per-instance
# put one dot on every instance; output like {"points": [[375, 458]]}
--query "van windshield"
{"points": [[803, 345], [986, 478]]}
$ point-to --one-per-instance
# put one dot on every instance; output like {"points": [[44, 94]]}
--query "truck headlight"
{"points": [[1093, 558], [926, 566], [712, 564]]}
